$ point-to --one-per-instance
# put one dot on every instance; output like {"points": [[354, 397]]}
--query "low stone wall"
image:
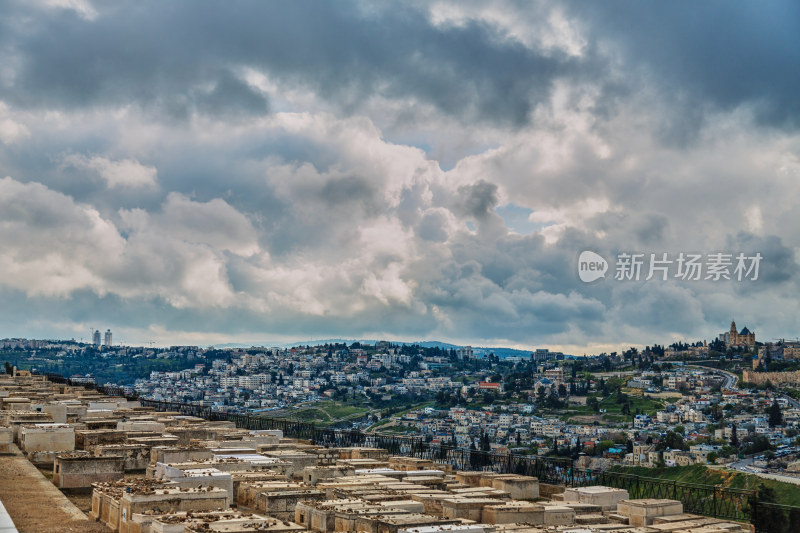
{"points": [[88, 439], [120, 512], [47, 438], [136, 456], [546, 490], [642, 513], [6, 439], [518, 487], [760, 378], [606, 498], [80, 472], [282, 504]]}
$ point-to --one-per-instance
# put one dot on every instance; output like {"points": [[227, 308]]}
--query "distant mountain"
{"points": [[317, 342], [269, 344], [502, 353], [436, 344], [239, 345]]}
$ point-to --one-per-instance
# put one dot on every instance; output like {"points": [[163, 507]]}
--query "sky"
{"points": [[193, 172]]}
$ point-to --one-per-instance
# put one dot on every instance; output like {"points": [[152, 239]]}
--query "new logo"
{"points": [[591, 266]]}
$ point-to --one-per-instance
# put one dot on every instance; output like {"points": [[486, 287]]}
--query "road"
{"points": [[743, 465], [730, 379], [746, 465], [794, 403]]}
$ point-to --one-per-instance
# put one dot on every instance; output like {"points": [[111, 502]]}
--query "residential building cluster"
{"points": [[152, 471], [275, 378]]}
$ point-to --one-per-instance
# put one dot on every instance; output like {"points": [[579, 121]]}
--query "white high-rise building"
{"points": [[465, 352]]}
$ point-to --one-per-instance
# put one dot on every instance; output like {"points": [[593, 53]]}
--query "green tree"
{"points": [[755, 444], [473, 456], [794, 516], [485, 445], [594, 404], [603, 446], [766, 518], [775, 415], [673, 441], [541, 396]]}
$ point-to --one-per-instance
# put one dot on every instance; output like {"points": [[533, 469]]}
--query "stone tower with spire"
{"points": [[744, 338]]}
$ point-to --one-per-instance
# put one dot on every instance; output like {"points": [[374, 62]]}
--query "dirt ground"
{"points": [[666, 395], [586, 419], [82, 501], [35, 504]]}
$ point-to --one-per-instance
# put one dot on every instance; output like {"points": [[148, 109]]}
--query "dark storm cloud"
{"points": [[778, 264], [348, 189], [659, 308], [270, 168], [432, 227], [651, 230], [159, 53], [177, 57], [231, 95], [478, 200], [714, 54], [477, 304]]}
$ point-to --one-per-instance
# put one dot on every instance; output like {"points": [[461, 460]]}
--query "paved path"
{"points": [[730, 378], [34, 504]]}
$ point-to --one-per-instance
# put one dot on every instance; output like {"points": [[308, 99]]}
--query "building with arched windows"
{"points": [[739, 339]]}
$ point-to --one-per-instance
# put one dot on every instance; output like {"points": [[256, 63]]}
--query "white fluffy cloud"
{"points": [[11, 131], [50, 244], [124, 173], [214, 223], [54, 246]]}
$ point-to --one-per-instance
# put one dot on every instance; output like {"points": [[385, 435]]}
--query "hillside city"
{"points": [[384, 437], [730, 401], [101, 463]]}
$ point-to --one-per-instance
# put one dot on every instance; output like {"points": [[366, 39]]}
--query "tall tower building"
{"points": [[465, 352], [107, 339], [745, 337], [96, 337]]}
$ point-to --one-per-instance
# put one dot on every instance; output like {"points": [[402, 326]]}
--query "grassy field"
{"points": [[324, 412], [399, 414], [413, 407], [379, 423], [786, 493], [613, 410], [399, 429]]}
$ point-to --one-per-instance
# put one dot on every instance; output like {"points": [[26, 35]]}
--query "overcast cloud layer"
{"points": [[206, 172]]}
